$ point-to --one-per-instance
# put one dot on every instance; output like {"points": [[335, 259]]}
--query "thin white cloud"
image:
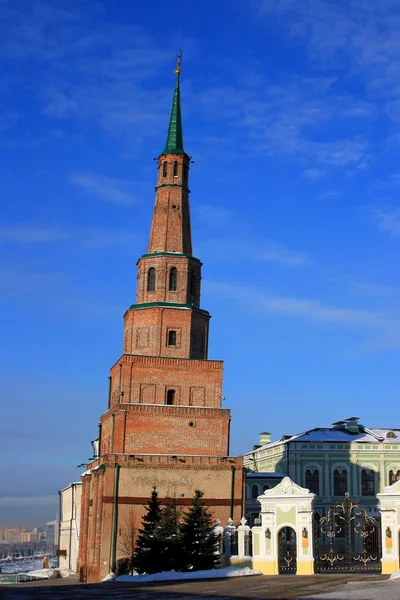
{"points": [[31, 234], [274, 252], [95, 237], [386, 219], [358, 36], [108, 189], [257, 250], [388, 327], [314, 173], [11, 501], [301, 117], [60, 105]]}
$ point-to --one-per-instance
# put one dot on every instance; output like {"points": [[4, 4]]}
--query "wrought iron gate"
{"points": [[347, 539], [287, 551]]}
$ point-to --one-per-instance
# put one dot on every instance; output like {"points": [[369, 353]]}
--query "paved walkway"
{"points": [[387, 590], [235, 588]]}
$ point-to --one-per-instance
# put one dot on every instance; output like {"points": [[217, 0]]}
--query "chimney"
{"points": [[265, 438], [352, 425]]}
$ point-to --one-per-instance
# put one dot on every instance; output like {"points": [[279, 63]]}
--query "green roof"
{"points": [[174, 143]]}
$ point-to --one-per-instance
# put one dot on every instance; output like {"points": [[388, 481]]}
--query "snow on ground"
{"points": [[21, 566], [43, 574], [177, 575], [395, 575]]}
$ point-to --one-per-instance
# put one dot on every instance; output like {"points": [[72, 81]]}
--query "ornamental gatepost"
{"points": [[389, 505], [283, 543]]}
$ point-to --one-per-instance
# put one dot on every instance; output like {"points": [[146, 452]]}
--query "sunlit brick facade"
{"points": [[165, 425]]}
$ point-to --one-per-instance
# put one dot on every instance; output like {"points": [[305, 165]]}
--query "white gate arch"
{"points": [[285, 505], [389, 505]]}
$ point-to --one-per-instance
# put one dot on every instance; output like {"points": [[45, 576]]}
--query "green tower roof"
{"points": [[174, 143]]}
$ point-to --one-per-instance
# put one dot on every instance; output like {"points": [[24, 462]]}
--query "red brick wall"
{"points": [[170, 227], [172, 478], [166, 429], [162, 264], [146, 379]]}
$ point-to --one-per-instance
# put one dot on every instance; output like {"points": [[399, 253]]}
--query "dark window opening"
{"points": [[151, 279], [173, 280], [171, 397], [165, 169], [339, 482], [192, 282], [171, 338], [367, 482], [265, 487], [312, 480], [393, 477], [254, 491], [175, 168], [185, 174]]}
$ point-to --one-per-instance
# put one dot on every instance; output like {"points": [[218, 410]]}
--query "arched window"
{"points": [[151, 279], [171, 397], [339, 482], [265, 487], [173, 280], [367, 482], [254, 491], [165, 169], [175, 168], [171, 338], [312, 480], [185, 174], [393, 476]]}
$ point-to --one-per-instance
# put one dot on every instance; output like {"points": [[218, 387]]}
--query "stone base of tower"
{"points": [[110, 503]]}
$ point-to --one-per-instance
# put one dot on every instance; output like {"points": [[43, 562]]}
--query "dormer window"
{"points": [[165, 169], [391, 435]]}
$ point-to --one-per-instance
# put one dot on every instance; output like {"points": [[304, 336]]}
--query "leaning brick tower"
{"points": [[165, 425]]}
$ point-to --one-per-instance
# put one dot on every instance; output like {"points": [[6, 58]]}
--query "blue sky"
{"points": [[291, 111]]}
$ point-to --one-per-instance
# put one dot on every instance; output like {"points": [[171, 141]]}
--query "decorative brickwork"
{"points": [[165, 424]]}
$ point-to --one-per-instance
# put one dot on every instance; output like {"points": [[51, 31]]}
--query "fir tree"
{"points": [[168, 534], [147, 546], [198, 538]]}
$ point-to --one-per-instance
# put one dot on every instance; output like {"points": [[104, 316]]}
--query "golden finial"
{"points": [[178, 63]]}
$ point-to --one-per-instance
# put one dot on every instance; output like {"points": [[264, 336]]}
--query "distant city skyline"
{"points": [[291, 115]]}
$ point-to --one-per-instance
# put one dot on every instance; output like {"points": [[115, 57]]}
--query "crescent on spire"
{"points": [[178, 63]]}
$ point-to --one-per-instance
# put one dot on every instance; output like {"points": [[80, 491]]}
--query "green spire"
{"points": [[174, 143]]}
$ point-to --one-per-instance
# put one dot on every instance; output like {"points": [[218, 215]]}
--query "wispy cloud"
{"points": [[385, 325], [26, 501], [314, 173], [301, 117], [386, 219], [257, 250], [274, 252], [95, 237], [108, 189], [237, 244], [358, 36]]}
